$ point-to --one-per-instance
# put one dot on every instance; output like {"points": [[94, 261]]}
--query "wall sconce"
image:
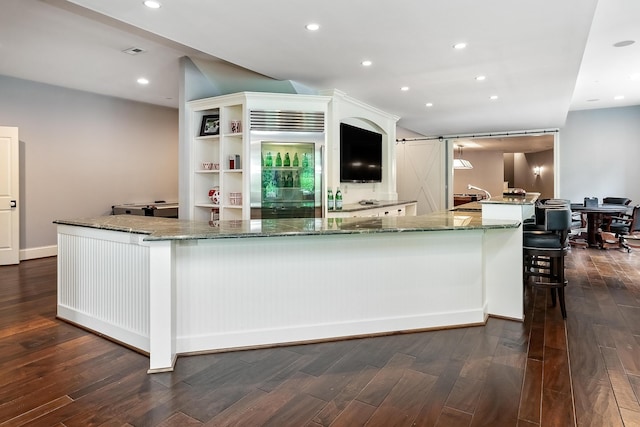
{"points": [[537, 170]]}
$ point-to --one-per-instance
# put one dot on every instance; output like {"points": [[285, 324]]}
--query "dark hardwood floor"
{"points": [[543, 372]]}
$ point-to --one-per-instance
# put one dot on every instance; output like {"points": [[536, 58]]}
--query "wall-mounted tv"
{"points": [[360, 154]]}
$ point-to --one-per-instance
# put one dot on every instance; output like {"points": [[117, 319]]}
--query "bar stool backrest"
{"points": [[558, 219]]}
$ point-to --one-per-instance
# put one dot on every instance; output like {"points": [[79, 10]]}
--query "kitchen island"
{"points": [[167, 287]]}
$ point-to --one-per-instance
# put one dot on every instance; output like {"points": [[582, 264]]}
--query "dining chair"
{"points": [[616, 200], [622, 225]]}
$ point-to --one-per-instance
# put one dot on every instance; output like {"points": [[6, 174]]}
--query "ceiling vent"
{"points": [[134, 51]]}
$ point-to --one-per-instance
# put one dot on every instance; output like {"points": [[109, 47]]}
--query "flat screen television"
{"points": [[360, 154]]}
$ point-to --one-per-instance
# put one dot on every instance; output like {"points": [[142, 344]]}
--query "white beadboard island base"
{"points": [[170, 287]]}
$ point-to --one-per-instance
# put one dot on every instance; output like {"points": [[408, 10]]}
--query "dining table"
{"points": [[595, 214]]}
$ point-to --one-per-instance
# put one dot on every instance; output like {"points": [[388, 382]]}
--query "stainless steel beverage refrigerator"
{"points": [[286, 168]]}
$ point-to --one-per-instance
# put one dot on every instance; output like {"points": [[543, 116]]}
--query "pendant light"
{"points": [[461, 163]]}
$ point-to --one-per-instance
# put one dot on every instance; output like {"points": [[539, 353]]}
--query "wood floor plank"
{"points": [[386, 378], [496, 406], [296, 412], [531, 398], [432, 408], [405, 400], [556, 375], [36, 413], [630, 418], [355, 414], [268, 404], [180, 420], [356, 382], [627, 349], [453, 418], [557, 409]]}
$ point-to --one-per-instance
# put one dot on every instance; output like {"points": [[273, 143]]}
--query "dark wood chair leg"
{"points": [[563, 308]]}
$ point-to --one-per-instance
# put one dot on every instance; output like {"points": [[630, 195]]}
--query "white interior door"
{"points": [[9, 203]]}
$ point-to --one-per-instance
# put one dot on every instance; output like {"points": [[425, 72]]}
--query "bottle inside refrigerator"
{"points": [[290, 181]]}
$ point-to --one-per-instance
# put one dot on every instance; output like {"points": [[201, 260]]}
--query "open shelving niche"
{"points": [[219, 149]]}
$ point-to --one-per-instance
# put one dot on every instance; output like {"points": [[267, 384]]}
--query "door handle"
{"points": [[14, 204]]}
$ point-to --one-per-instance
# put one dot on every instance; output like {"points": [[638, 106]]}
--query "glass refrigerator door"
{"points": [[289, 181]]}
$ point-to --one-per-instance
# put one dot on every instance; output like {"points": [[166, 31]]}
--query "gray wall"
{"points": [[524, 177], [81, 153], [599, 152]]}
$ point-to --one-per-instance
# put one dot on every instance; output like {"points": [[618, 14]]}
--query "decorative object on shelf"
{"points": [[232, 162], [207, 165], [214, 195], [235, 198], [235, 126], [210, 125], [216, 166]]}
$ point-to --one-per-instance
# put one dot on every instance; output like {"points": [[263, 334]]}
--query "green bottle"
{"points": [[287, 160], [269, 161], [295, 160], [278, 160], [338, 199], [330, 203]]}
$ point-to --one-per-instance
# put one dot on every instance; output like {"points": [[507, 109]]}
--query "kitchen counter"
{"points": [[155, 228], [527, 199], [169, 287]]}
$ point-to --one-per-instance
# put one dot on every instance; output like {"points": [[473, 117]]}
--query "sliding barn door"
{"points": [[421, 174]]}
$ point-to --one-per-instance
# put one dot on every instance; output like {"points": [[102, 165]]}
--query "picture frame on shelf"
{"points": [[210, 125]]}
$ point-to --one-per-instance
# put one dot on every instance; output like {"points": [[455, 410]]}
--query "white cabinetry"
{"points": [[226, 151]]}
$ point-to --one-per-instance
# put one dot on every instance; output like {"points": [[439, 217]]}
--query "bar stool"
{"points": [[544, 252]]}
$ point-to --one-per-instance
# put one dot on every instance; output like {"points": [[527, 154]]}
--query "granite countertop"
{"points": [[528, 199], [352, 207], [158, 228]]}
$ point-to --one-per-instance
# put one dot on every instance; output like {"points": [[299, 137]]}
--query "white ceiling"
{"points": [[541, 58]]}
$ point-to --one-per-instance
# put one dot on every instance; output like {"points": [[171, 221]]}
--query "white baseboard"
{"points": [[41, 252]]}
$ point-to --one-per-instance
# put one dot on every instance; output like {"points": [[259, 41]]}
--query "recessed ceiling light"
{"points": [[459, 45], [143, 81], [312, 27], [429, 104], [152, 4], [366, 63], [624, 43], [618, 97], [481, 78], [404, 88], [493, 97]]}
